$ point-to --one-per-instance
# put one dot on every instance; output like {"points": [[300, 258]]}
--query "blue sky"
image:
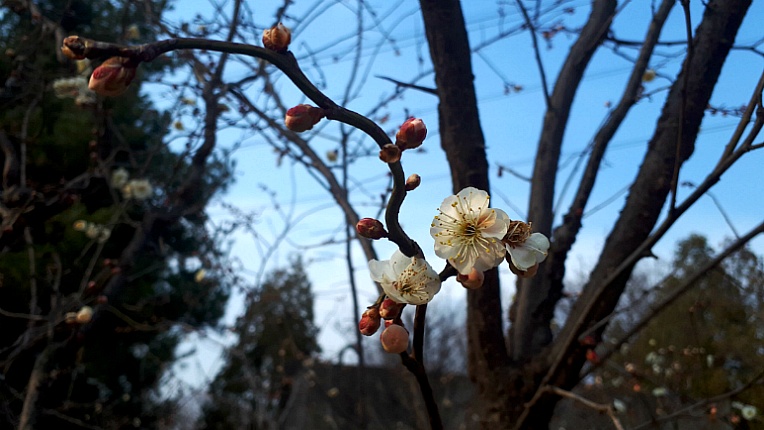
{"points": [[511, 123]]}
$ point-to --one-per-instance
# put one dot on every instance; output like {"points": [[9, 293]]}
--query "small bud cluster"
{"points": [[409, 136], [97, 232]]}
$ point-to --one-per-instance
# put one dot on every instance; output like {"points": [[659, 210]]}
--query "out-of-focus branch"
{"points": [[757, 380], [536, 52], [679, 290], [599, 407]]}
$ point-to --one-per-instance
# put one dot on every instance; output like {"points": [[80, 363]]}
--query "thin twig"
{"points": [[536, 53], [599, 407], [680, 126]]}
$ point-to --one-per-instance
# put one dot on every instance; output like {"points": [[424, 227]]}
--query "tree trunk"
{"points": [[505, 384], [462, 140]]}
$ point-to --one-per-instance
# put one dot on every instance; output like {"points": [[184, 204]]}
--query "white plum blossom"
{"points": [[406, 279], [468, 232], [526, 249], [119, 177], [138, 189], [749, 412]]}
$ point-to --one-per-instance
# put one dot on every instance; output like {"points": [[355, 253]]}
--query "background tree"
{"points": [[520, 381], [86, 191], [275, 336]]}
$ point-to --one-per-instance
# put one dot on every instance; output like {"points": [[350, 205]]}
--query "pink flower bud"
{"points": [[395, 339], [303, 117], [277, 38], [472, 281], [370, 322], [113, 76], [411, 134], [390, 309], [413, 181], [370, 228], [390, 153]]}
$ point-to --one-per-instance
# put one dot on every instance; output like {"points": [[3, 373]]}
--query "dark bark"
{"points": [[713, 41], [505, 384], [536, 298], [463, 141]]}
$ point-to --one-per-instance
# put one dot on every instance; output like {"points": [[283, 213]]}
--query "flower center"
{"points": [[469, 230], [517, 233]]}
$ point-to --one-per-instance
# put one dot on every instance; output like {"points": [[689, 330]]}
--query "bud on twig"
{"points": [[370, 322], [277, 38], [390, 309], [472, 281], [413, 181], [370, 228], [84, 315], [411, 134], [390, 153], [113, 76], [395, 339], [303, 117]]}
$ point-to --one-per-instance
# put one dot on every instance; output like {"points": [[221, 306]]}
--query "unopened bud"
{"points": [[84, 315], [370, 322], [395, 339], [370, 228], [71, 317], [413, 181], [303, 117], [390, 309], [390, 153], [473, 280], [277, 38], [113, 76], [73, 47], [411, 134]]}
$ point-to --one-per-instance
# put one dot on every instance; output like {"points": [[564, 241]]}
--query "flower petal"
{"points": [[523, 258]]}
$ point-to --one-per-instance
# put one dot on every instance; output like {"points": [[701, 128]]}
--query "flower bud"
{"points": [[303, 117], [472, 281], [370, 322], [395, 339], [390, 309], [413, 181], [370, 228], [277, 38], [390, 153], [74, 48], [113, 76], [70, 317], [84, 315], [411, 134]]}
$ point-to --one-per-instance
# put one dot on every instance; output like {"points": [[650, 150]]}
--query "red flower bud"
{"points": [[395, 339], [277, 38], [592, 356], [390, 309], [411, 134], [303, 117], [113, 76], [370, 322], [390, 153], [370, 228], [413, 181]]}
